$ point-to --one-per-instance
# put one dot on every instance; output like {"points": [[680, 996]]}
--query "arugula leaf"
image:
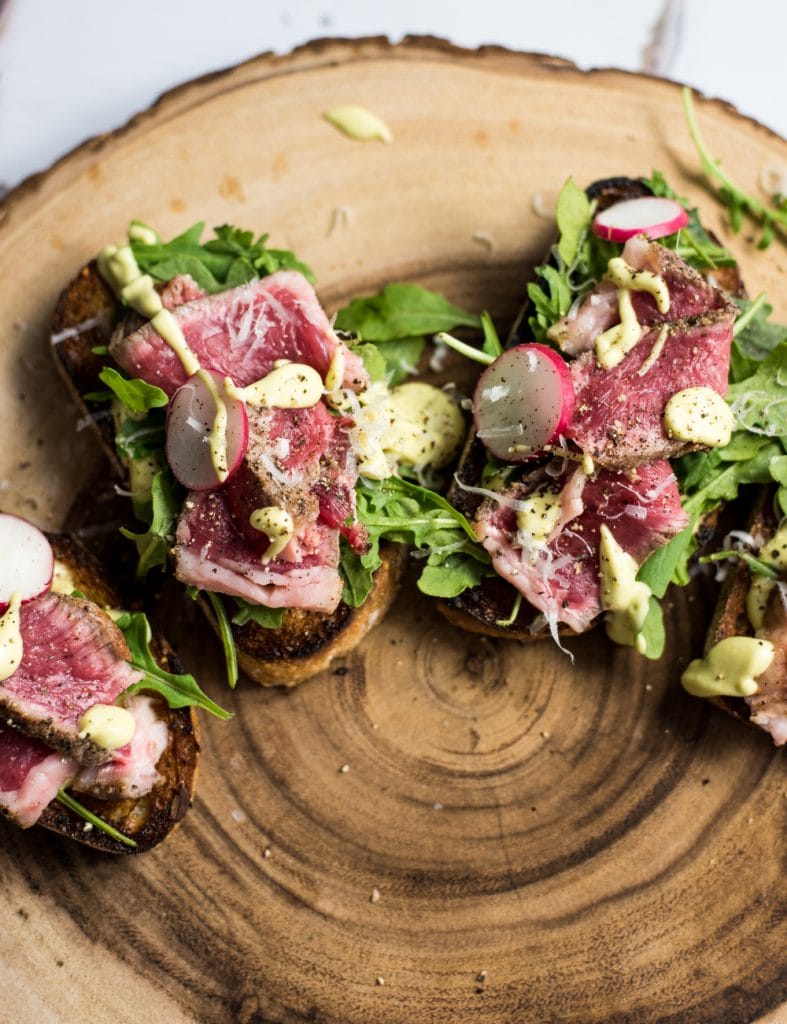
{"points": [[138, 438], [180, 691], [573, 216], [492, 345], [401, 358], [734, 198], [400, 511], [74, 805], [270, 618], [227, 639], [652, 631], [402, 311], [692, 243], [137, 395], [153, 545], [231, 258]]}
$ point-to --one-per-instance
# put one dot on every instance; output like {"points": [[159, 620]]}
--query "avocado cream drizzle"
{"points": [[699, 416], [118, 265], [277, 525], [11, 647], [107, 725], [287, 386], [730, 668], [538, 514], [613, 345], [623, 596]]}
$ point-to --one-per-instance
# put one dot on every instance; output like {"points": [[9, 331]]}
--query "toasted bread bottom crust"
{"points": [[148, 819], [307, 642]]}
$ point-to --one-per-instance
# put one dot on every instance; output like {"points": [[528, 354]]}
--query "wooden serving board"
{"points": [[514, 838]]}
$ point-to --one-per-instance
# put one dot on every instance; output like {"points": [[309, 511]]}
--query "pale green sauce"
{"points": [[625, 598], [107, 725], [539, 513], [358, 123], [11, 645], [730, 668], [287, 386], [699, 416], [613, 345], [277, 525], [426, 426], [118, 265]]}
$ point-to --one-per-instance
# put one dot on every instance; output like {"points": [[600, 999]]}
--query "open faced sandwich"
{"points": [[276, 463], [98, 739], [623, 412]]}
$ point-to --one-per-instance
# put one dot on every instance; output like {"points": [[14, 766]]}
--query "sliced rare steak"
{"points": [[560, 577], [212, 553], [132, 771], [618, 416], [300, 460], [690, 294], [31, 775], [74, 657], [242, 333]]}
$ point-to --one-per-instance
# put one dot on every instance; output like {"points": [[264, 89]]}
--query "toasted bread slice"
{"points": [[307, 641], [487, 608], [148, 819]]}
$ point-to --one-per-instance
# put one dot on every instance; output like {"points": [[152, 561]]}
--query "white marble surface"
{"points": [[69, 70]]}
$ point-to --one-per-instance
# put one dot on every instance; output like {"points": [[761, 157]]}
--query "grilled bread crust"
{"points": [[149, 819], [730, 617], [307, 641], [482, 609]]}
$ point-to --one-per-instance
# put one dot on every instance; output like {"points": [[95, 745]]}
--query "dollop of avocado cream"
{"points": [[11, 645], [624, 598], [277, 525], [288, 386], [699, 415], [613, 345], [426, 426], [107, 725], [538, 514], [730, 668]]}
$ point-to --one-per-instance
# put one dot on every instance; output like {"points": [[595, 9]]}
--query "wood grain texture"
{"points": [[444, 828]]}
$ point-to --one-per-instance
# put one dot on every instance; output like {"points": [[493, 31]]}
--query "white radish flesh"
{"points": [[190, 418], [523, 402], [26, 560], [654, 216]]}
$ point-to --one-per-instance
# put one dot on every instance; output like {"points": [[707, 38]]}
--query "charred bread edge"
{"points": [[310, 641], [476, 611], [306, 642], [147, 820], [730, 617]]}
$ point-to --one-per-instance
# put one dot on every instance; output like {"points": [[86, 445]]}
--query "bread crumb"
{"points": [[344, 769], [266, 852], [375, 895]]}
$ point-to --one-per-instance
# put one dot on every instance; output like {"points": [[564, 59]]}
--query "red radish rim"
{"points": [[667, 225], [236, 449], [15, 561], [566, 397]]}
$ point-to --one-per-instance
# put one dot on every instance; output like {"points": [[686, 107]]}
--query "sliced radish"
{"points": [[190, 418], [654, 216], [26, 560], [523, 401]]}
